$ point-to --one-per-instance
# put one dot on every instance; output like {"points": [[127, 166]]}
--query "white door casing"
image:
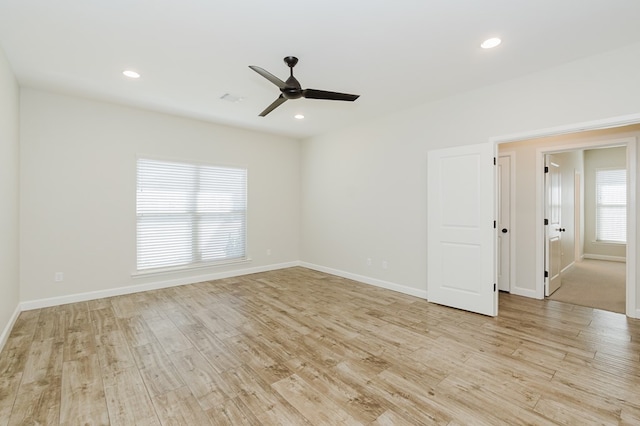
{"points": [[553, 227], [461, 230], [577, 220], [504, 223], [633, 306]]}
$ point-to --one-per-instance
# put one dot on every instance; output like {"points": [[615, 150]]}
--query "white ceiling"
{"points": [[395, 54]]}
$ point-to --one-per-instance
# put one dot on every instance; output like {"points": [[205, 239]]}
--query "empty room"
{"points": [[293, 213]]}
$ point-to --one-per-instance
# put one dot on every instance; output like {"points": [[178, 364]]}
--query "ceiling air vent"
{"points": [[231, 98]]}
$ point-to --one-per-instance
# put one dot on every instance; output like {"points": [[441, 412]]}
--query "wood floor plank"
{"points": [[362, 406], [136, 331], [179, 407], [169, 336], [157, 370], [113, 352], [316, 407], [128, 401], [630, 414], [76, 317], [465, 397], [502, 384], [26, 324], [219, 355], [250, 391], [78, 345], [9, 386], [125, 306], [205, 383], [83, 399], [51, 325], [235, 412], [561, 413], [37, 403], [393, 391], [604, 389], [44, 361], [14, 355], [391, 418], [103, 320]]}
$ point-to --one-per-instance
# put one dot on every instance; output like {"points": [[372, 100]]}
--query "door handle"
{"points": [[504, 230]]}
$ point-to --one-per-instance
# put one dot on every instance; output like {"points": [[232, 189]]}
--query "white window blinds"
{"points": [[611, 205], [189, 214]]}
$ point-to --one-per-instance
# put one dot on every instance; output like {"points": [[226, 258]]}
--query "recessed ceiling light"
{"points": [[298, 116], [131, 74], [491, 43]]}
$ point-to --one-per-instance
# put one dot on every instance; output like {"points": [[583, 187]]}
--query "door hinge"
{"points": [[494, 224], [546, 274], [546, 221], [494, 287], [546, 169], [494, 161]]}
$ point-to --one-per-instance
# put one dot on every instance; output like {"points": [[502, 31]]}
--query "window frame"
{"points": [[195, 218], [599, 205]]}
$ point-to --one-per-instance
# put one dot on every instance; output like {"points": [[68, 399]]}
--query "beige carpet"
{"points": [[594, 283]]}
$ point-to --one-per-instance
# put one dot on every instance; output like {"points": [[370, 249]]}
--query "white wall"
{"points": [[365, 187], [595, 159], [78, 191], [570, 163], [9, 196]]}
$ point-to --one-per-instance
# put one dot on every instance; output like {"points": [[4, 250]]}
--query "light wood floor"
{"points": [[297, 347]]}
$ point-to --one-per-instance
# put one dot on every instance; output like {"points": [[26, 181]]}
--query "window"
{"points": [[189, 214], [611, 205]]}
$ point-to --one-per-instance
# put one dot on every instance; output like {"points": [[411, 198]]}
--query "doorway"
{"points": [[506, 219], [585, 238], [531, 195]]}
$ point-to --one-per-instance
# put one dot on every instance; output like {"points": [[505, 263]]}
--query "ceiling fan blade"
{"points": [[275, 104], [332, 96], [266, 74]]}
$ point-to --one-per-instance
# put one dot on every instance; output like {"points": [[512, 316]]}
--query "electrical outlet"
{"points": [[369, 261], [385, 264], [268, 252], [58, 277]]}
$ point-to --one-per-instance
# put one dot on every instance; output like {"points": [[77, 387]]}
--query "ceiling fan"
{"points": [[291, 88]]}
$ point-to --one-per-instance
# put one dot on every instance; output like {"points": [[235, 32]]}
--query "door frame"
{"points": [[578, 200], [630, 143], [632, 308]]}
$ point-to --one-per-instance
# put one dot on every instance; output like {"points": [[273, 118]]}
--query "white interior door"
{"points": [[504, 223], [461, 228], [553, 228]]}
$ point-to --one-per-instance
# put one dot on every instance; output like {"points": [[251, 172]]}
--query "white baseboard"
{"points": [[83, 297], [7, 329], [566, 268], [603, 257], [525, 292], [367, 280]]}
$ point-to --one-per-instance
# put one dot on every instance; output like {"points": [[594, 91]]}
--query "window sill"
{"points": [[186, 268], [609, 243]]}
